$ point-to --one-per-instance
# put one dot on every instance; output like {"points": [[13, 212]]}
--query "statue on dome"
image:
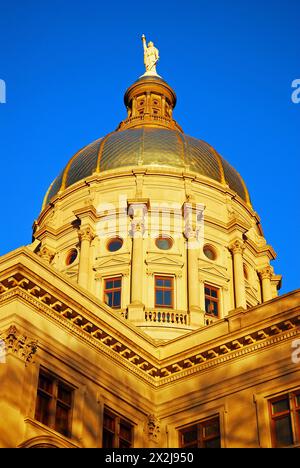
{"points": [[151, 57]]}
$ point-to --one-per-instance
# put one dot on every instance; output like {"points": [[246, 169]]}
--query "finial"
{"points": [[151, 57]]}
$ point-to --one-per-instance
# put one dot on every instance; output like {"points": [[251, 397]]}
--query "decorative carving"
{"points": [[46, 254], [266, 273], [19, 344], [86, 234], [237, 247], [153, 427]]}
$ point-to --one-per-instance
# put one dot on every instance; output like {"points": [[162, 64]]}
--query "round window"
{"points": [[114, 244], [164, 243], [209, 252], [71, 257]]}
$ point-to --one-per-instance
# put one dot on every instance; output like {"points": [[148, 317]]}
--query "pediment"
{"points": [[115, 261], [168, 260], [214, 270]]}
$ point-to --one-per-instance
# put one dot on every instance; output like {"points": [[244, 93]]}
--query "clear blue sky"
{"points": [[67, 64]]}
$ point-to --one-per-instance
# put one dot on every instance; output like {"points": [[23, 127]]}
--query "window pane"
{"points": [[109, 422], [283, 431], [280, 406], [108, 439], [159, 297], [159, 282], [211, 428], [207, 291], [109, 299], [45, 383], [189, 436], [42, 411], [117, 283], [64, 394], [215, 309], [168, 283], [117, 299], [168, 298], [214, 293], [213, 443], [125, 431], [62, 419], [109, 284]]}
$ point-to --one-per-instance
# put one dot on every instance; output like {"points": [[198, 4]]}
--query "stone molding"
{"points": [[149, 369]]}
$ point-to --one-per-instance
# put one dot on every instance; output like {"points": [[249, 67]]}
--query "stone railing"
{"points": [[167, 317]]}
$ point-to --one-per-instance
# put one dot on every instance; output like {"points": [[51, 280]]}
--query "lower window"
{"points": [[54, 403], [117, 431], [285, 419], [204, 434]]}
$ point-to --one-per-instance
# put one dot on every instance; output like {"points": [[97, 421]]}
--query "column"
{"points": [[265, 276], [85, 235], [194, 295], [136, 308], [237, 248]]}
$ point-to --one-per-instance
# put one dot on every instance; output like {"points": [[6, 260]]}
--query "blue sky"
{"points": [[66, 65]]}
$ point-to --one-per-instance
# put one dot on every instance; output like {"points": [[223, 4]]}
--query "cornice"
{"points": [[139, 362]]}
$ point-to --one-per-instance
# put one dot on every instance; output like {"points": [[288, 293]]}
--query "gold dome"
{"points": [[149, 137]]}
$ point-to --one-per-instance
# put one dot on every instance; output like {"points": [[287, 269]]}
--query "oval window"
{"points": [[164, 243], [114, 244], [209, 252], [71, 257]]}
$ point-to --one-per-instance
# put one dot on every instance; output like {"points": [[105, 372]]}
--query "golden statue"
{"points": [[151, 57]]}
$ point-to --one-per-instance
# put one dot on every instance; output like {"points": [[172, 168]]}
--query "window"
{"points": [[285, 419], [71, 257], [211, 300], [209, 252], [117, 432], [164, 243], [164, 290], [114, 244], [112, 292], [205, 434], [54, 403]]}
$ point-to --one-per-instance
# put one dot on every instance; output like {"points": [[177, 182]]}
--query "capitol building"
{"points": [[145, 313]]}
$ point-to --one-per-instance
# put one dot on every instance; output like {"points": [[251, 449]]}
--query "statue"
{"points": [[151, 57]]}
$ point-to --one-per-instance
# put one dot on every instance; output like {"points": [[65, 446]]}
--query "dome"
{"points": [[149, 147], [149, 137]]}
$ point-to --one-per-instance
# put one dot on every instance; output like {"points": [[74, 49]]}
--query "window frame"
{"points": [[294, 416], [217, 299], [55, 402], [164, 288], [199, 427], [118, 421], [113, 290]]}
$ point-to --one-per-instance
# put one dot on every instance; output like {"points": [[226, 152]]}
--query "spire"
{"points": [[150, 100]]}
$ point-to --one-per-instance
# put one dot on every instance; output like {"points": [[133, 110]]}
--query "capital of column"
{"points": [[17, 343], [237, 247], [46, 254], [266, 273], [86, 233]]}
